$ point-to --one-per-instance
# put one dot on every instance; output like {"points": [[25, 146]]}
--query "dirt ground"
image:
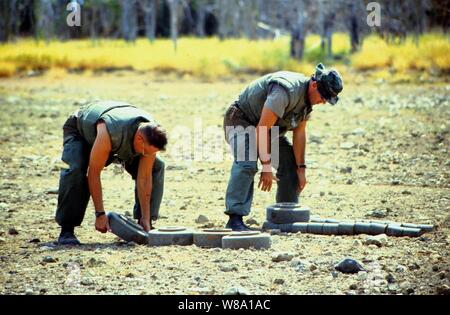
{"points": [[395, 139]]}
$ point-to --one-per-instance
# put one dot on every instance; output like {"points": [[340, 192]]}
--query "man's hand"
{"points": [[102, 224], [146, 224], [266, 180], [301, 179]]}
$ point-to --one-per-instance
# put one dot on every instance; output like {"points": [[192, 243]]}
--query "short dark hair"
{"points": [[155, 136]]}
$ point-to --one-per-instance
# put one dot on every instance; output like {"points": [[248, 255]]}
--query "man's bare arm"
{"points": [[99, 155], [299, 146], [144, 188]]}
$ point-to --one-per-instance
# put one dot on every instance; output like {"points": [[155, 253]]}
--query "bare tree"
{"points": [[150, 12], [298, 32], [173, 6], [129, 20]]}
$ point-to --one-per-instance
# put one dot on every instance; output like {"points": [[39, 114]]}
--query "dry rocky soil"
{"points": [[381, 154]]}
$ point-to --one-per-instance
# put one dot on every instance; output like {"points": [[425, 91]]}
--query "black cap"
{"points": [[329, 83]]}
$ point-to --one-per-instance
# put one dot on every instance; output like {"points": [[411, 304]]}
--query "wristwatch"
{"points": [[301, 166], [99, 214]]}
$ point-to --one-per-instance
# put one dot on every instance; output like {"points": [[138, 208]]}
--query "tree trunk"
{"points": [[298, 32], [354, 28], [201, 17], [173, 6], [129, 20], [150, 11]]}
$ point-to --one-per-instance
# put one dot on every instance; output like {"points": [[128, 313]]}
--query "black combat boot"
{"points": [[236, 223], [67, 236]]}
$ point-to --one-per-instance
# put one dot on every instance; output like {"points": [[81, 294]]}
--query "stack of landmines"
{"points": [[293, 218]]}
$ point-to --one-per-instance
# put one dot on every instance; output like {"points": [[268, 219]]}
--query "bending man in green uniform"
{"points": [[97, 135], [258, 121]]}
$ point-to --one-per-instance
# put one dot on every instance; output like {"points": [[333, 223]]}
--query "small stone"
{"points": [[201, 219], [2, 240], [251, 221], [53, 191], [49, 259], [378, 240], [390, 278], [392, 288], [227, 268], [130, 275], [353, 286], [86, 282], [334, 274], [443, 290], [395, 182], [400, 269], [414, 266], [349, 265], [29, 291], [346, 170], [357, 243], [278, 281], [435, 268], [13, 231], [347, 145], [358, 132], [313, 267], [378, 214], [362, 276], [34, 240], [322, 193], [406, 192], [236, 291], [349, 181], [278, 257]]}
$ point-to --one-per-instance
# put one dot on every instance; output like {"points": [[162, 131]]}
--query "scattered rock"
{"points": [[349, 181], [34, 240], [395, 182], [357, 243], [313, 267], [29, 291], [86, 282], [228, 268], [53, 191], [347, 145], [236, 291], [358, 132], [93, 262], [298, 265], [443, 290], [414, 266], [201, 219], [2, 240], [378, 214], [349, 265], [322, 193], [278, 281], [400, 269], [49, 259], [278, 257], [353, 286], [13, 231], [392, 288], [251, 221], [315, 139], [378, 240], [346, 170], [390, 278]]}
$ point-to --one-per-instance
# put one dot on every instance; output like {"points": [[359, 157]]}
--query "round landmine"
{"points": [[362, 228], [284, 214], [286, 228], [346, 228], [411, 232], [330, 229], [377, 228], [394, 230], [210, 238], [246, 240], [300, 227], [126, 229], [172, 235], [315, 228]]}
